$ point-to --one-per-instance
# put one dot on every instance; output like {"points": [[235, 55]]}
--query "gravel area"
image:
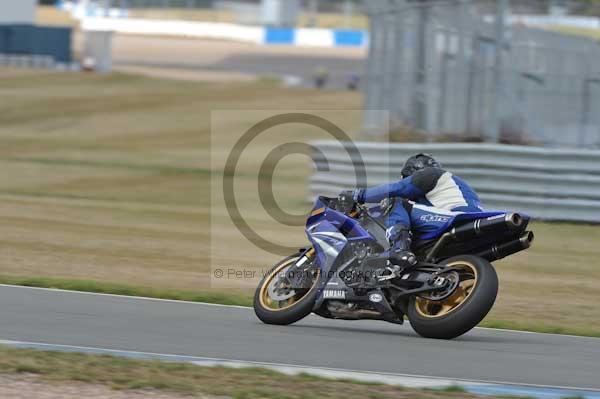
{"points": [[31, 387]]}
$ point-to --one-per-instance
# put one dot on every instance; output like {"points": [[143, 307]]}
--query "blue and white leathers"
{"points": [[430, 186], [427, 201]]}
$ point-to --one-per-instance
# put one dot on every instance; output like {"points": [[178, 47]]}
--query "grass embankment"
{"points": [[189, 379], [108, 179]]}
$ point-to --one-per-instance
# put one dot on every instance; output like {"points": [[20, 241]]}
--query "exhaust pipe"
{"points": [[494, 224], [500, 251]]}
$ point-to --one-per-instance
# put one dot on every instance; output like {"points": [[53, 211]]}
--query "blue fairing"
{"points": [[327, 241], [329, 231]]}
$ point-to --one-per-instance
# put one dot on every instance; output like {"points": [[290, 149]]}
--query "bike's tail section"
{"points": [[430, 223]]}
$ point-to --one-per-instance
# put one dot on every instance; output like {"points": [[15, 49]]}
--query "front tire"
{"points": [[298, 306], [464, 309]]}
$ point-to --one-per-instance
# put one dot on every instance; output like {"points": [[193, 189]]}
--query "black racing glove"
{"points": [[356, 195], [346, 200]]}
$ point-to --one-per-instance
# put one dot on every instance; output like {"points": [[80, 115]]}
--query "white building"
{"points": [[17, 11]]}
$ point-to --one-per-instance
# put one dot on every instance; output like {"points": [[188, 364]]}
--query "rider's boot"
{"points": [[399, 254]]}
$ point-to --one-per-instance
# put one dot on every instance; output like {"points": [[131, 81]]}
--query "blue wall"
{"points": [[348, 37], [280, 36], [36, 40]]}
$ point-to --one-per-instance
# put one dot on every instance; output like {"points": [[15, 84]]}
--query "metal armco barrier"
{"points": [[550, 184]]}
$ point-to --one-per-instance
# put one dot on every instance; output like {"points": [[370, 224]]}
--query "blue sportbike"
{"points": [[341, 275]]}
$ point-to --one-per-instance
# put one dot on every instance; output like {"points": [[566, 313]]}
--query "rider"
{"points": [[427, 195]]}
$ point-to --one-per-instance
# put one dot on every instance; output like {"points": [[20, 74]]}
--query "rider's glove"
{"points": [[346, 200], [346, 196], [356, 195]]}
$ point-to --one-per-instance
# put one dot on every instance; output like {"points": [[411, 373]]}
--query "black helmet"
{"points": [[417, 162]]}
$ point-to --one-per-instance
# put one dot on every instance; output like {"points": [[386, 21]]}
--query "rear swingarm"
{"points": [[425, 288], [427, 274]]}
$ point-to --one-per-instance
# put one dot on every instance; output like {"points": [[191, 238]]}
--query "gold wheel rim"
{"points": [[435, 309], [267, 302]]}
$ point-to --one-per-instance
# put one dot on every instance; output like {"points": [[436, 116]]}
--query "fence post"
{"points": [[373, 86], [420, 99], [585, 111], [388, 69], [399, 65], [463, 62], [500, 38], [471, 81], [447, 58]]}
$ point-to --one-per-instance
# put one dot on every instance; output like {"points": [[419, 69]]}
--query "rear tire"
{"points": [[299, 309], [458, 314]]}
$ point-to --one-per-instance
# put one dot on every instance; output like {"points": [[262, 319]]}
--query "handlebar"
{"points": [[353, 210]]}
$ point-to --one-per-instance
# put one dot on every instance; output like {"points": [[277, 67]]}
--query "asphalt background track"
{"points": [[211, 55], [137, 324]]}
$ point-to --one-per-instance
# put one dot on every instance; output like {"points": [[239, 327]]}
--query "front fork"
{"points": [[308, 255], [296, 275]]}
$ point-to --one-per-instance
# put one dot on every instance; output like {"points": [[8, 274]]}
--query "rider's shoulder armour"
{"points": [[426, 179]]}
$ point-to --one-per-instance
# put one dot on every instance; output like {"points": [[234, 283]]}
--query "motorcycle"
{"points": [[340, 276]]}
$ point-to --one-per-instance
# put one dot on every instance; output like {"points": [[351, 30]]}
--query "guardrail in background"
{"points": [[551, 184], [220, 30], [211, 30]]}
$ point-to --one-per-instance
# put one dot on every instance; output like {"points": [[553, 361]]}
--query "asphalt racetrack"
{"points": [[234, 333], [189, 55]]}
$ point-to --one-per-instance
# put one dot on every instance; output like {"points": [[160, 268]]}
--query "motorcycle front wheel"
{"points": [[275, 302], [471, 301]]}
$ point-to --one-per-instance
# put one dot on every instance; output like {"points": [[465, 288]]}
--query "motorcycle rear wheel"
{"points": [[282, 312], [465, 308]]}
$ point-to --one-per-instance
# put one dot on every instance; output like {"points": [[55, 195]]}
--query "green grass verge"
{"points": [[188, 379], [128, 290], [242, 300]]}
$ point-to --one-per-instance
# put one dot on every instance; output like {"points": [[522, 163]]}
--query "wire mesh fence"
{"points": [[471, 69]]}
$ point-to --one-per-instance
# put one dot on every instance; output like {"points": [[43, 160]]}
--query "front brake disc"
{"points": [[280, 291]]}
